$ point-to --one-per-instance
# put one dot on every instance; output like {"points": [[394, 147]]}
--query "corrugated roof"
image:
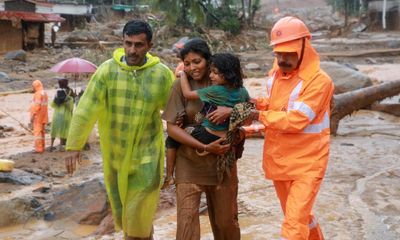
{"points": [[30, 16]]}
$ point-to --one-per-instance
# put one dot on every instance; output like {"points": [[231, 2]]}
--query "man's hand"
{"points": [[216, 147], [255, 114], [71, 159], [219, 115]]}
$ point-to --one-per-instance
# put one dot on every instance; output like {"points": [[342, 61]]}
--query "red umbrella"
{"points": [[74, 65]]}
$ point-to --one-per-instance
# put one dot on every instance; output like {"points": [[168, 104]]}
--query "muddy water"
{"points": [[358, 198], [42, 230]]}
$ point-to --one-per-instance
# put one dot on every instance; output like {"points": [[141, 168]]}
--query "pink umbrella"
{"points": [[74, 65]]}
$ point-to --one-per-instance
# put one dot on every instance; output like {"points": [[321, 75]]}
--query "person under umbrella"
{"points": [[63, 105]]}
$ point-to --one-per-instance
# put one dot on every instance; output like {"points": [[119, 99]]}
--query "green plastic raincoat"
{"points": [[126, 101], [61, 119]]}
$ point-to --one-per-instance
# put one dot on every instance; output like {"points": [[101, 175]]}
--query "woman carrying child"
{"points": [[195, 174]]}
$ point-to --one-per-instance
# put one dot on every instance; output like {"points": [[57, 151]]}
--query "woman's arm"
{"points": [[187, 91], [183, 137]]}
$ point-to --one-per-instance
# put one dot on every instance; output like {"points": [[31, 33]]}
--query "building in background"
{"points": [[23, 26]]}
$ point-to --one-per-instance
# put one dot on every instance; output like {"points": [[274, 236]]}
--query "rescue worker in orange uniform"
{"points": [[39, 115], [295, 114]]}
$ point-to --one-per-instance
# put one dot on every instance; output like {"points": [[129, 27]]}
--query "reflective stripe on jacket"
{"points": [[296, 116]]}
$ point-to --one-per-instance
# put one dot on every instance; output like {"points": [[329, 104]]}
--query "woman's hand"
{"points": [[216, 147], [219, 115]]}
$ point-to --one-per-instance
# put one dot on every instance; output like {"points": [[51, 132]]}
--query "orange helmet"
{"points": [[287, 29]]}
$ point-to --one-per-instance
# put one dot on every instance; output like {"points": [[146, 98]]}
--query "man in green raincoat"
{"points": [[125, 96]]}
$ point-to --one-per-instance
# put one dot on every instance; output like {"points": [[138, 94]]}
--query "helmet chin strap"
{"points": [[302, 52]]}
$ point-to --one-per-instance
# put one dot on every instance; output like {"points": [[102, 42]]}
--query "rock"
{"points": [[370, 61], [4, 77], [49, 216], [44, 189], [79, 200], [83, 36], [252, 66], [393, 44], [19, 177], [117, 32], [106, 226], [16, 211], [345, 79], [35, 204], [95, 215], [19, 55]]}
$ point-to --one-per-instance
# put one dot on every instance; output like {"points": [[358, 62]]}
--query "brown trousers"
{"points": [[222, 209]]}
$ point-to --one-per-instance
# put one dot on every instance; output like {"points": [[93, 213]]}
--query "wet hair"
{"points": [[229, 66], [196, 45], [63, 83], [136, 27]]}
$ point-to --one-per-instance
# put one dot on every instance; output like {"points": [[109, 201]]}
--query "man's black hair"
{"points": [[136, 27], [229, 66], [196, 45], [63, 82]]}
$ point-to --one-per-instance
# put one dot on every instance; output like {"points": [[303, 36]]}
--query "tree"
{"points": [[229, 15], [185, 13]]}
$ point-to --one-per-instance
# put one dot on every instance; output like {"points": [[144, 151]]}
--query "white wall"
{"points": [[71, 9], [44, 9]]}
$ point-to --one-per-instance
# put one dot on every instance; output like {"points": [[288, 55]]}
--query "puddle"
{"points": [[42, 230]]}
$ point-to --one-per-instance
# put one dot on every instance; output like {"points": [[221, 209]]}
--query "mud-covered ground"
{"points": [[358, 199]]}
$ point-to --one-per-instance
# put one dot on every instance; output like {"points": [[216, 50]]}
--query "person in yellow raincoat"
{"points": [[295, 114], [63, 105], [125, 96], [39, 115]]}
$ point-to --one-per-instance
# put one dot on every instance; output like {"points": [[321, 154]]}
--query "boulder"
{"points": [[19, 55], [252, 66], [80, 201], [345, 78], [83, 36], [19, 177], [18, 210], [4, 77]]}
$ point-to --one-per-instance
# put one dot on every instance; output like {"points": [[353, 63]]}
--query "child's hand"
{"points": [[182, 74]]}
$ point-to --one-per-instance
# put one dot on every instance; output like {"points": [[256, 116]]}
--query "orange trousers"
{"points": [[38, 134], [297, 198]]}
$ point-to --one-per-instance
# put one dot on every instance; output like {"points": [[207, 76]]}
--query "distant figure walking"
{"points": [[54, 30], [63, 105], [39, 115]]}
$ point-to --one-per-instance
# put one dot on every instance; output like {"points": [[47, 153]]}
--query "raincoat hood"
{"points": [[310, 63], [37, 85], [119, 53]]}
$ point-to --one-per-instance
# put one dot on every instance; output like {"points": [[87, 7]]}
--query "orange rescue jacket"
{"points": [[39, 103], [296, 114]]}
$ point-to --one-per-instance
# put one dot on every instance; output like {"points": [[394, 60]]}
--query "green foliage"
{"points": [[228, 15], [349, 7], [184, 13], [231, 24]]}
